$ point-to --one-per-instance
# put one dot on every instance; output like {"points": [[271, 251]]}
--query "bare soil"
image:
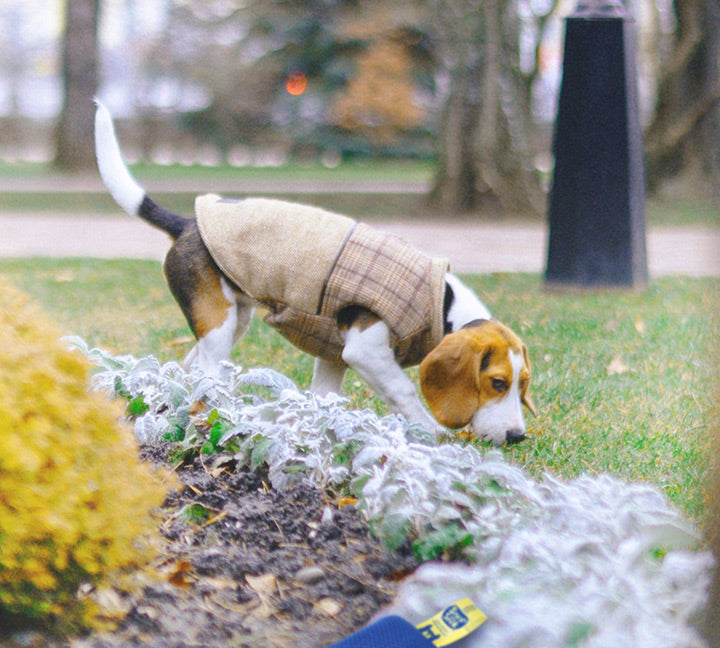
{"points": [[248, 566]]}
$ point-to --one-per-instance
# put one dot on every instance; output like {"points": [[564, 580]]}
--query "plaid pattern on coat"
{"points": [[385, 275]]}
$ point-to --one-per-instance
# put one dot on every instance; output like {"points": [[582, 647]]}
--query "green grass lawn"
{"points": [[679, 207], [358, 170], [347, 198], [624, 381]]}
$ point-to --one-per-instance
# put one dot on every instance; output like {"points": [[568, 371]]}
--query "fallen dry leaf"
{"points": [[617, 366], [611, 326], [220, 583], [183, 339], [265, 586], [177, 578], [197, 407], [112, 604], [330, 606], [465, 435], [64, 276]]}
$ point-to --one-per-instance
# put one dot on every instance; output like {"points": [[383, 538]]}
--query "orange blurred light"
{"points": [[296, 83]]}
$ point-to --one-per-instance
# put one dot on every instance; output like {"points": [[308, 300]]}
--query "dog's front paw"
{"points": [[429, 425]]}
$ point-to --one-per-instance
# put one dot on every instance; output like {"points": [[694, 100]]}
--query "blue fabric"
{"points": [[388, 632]]}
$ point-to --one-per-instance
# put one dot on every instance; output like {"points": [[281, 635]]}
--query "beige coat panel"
{"points": [[306, 264]]}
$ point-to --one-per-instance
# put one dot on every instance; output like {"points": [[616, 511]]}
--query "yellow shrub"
{"points": [[75, 500]]}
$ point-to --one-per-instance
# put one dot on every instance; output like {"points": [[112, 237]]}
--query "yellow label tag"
{"points": [[453, 623]]}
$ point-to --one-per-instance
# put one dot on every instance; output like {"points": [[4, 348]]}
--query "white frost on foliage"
{"points": [[594, 562], [578, 570]]}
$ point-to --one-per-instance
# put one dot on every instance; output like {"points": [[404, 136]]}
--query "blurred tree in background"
{"points": [[74, 144], [377, 100], [487, 138], [452, 80], [684, 135], [354, 59], [240, 57]]}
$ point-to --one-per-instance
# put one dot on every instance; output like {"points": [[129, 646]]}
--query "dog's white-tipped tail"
{"points": [[121, 185]]}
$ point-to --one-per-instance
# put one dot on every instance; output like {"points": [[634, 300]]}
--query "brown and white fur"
{"points": [[479, 373]]}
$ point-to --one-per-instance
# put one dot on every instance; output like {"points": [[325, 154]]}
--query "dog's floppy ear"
{"points": [[449, 379], [526, 398]]}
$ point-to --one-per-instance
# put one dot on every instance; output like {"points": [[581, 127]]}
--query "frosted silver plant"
{"points": [[594, 562]]}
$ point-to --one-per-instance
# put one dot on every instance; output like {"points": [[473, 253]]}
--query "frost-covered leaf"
{"points": [[264, 377], [564, 554]]}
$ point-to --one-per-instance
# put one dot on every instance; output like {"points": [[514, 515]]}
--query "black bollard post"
{"points": [[597, 199]]}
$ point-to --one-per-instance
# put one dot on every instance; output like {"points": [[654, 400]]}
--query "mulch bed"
{"points": [[244, 565]]}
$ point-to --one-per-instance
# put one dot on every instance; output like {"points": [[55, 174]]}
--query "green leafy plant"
{"points": [[448, 543], [625, 555], [196, 513]]}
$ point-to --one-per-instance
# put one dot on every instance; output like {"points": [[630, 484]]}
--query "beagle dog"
{"points": [[473, 369]]}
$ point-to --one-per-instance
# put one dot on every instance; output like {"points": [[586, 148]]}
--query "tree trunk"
{"points": [[486, 142], [74, 133], [510, 182], [683, 135], [454, 189], [488, 139]]}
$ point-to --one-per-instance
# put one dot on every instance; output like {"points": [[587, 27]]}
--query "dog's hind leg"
{"points": [[217, 315], [327, 377], [216, 329], [245, 307], [215, 346]]}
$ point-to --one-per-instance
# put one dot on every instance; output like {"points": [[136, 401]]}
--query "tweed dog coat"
{"points": [[306, 264]]}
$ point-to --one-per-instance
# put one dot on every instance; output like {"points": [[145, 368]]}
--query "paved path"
{"points": [[470, 246]]}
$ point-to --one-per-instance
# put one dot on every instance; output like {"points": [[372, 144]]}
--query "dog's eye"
{"points": [[499, 385]]}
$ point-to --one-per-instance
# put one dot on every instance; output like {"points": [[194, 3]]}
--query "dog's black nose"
{"points": [[514, 436]]}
